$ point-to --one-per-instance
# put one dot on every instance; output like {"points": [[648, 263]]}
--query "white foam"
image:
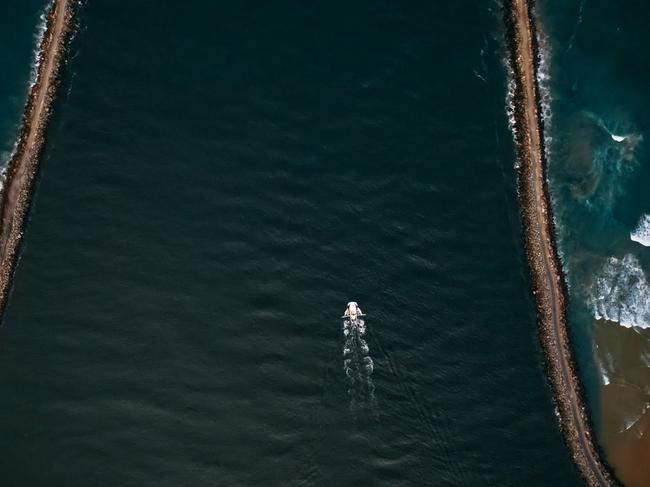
{"points": [[510, 107], [364, 346], [358, 367], [368, 364], [543, 83], [606, 366], [642, 232], [631, 139], [605, 377], [604, 374], [621, 293], [38, 38]]}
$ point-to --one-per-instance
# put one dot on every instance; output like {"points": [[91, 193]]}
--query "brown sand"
{"points": [[24, 163], [546, 273]]}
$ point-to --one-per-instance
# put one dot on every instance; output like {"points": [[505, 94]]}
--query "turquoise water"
{"points": [[599, 176], [18, 24], [598, 82], [219, 180]]}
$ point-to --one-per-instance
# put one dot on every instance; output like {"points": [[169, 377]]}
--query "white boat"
{"points": [[352, 312]]}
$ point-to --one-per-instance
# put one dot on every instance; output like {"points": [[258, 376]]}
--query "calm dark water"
{"points": [[220, 179]]}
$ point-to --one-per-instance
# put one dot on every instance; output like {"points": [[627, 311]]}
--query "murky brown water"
{"points": [[624, 354]]}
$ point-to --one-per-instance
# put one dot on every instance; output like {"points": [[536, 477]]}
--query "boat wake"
{"points": [[358, 367]]}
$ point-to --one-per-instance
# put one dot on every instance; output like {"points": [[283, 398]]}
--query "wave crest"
{"points": [[642, 232], [620, 293]]}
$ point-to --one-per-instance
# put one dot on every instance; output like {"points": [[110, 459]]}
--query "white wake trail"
{"points": [[358, 367]]}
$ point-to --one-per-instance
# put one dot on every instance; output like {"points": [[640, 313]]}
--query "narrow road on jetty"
{"points": [[23, 166], [540, 245]]}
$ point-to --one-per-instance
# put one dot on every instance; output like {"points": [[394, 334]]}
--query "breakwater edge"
{"points": [[549, 286], [23, 165]]}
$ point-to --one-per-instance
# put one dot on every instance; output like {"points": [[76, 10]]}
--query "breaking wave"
{"points": [[642, 232], [543, 78], [543, 84], [38, 39], [620, 293], [510, 106]]}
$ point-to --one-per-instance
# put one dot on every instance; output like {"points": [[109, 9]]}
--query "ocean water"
{"points": [[220, 178], [19, 24], [600, 169]]}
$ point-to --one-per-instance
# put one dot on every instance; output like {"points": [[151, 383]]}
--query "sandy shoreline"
{"points": [[23, 166], [549, 286]]}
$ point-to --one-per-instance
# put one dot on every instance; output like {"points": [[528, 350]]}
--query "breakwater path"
{"points": [[23, 165], [546, 272]]}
